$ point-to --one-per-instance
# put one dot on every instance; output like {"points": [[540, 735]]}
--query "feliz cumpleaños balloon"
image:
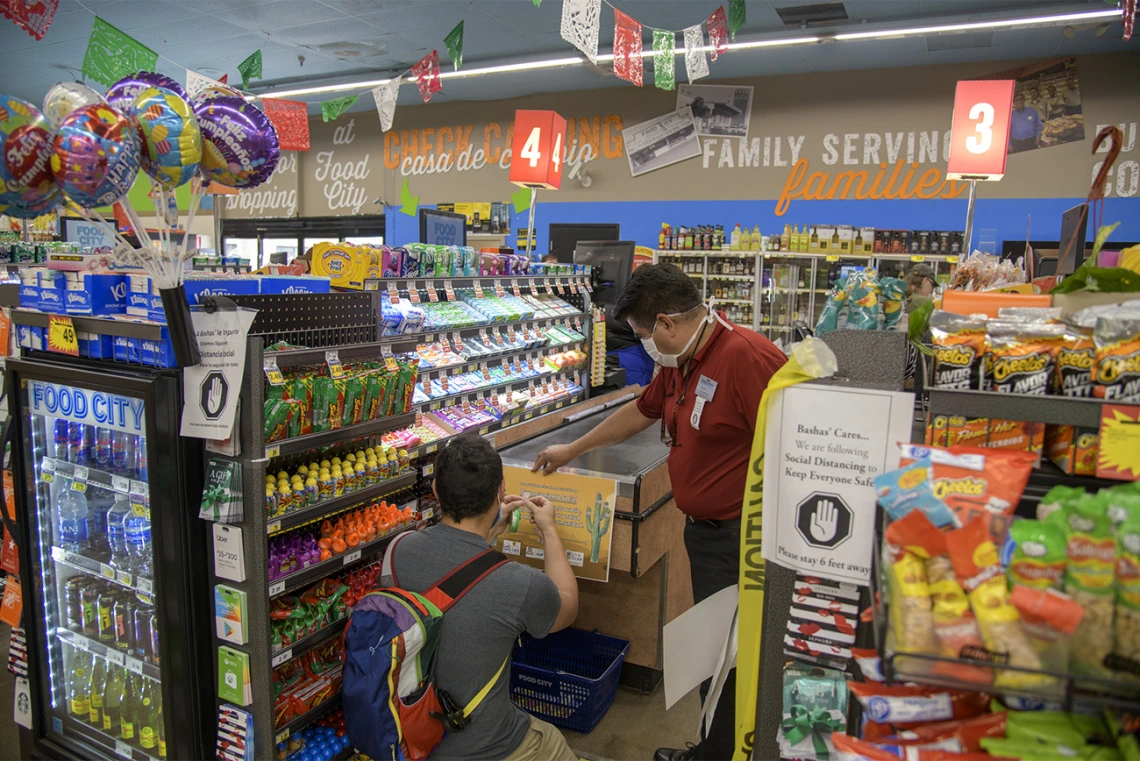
{"points": [[239, 144], [122, 94], [27, 188], [172, 141]]}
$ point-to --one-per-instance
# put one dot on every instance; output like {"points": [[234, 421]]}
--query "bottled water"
{"points": [[98, 502], [71, 511], [116, 533], [136, 529]]}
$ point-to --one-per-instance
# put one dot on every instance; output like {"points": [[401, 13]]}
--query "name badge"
{"points": [[706, 388]]}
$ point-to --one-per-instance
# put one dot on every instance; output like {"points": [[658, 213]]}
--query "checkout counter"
{"points": [[649, 582]]}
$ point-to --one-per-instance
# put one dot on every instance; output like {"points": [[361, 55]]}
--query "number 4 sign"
{"points": [[979, 138], [536, 150]]}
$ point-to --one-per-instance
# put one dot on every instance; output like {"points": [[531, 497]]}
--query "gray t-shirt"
{"points": [[478, 634]]}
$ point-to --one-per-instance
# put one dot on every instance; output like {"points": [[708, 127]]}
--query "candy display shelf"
{"points": [[321, 510], [309, 717], [307, 643]]}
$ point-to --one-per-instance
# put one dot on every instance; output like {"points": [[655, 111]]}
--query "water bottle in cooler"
{"points": [[71, 511], [99, 502], [122, 453], [116, 533], [136, 529], [103, 449]]}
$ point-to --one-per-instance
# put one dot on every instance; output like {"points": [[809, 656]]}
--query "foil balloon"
{"points": [[96, 155], [123, 93], [27, 187], [171, 140], [239, 144], [67, 97], [216, 90]]}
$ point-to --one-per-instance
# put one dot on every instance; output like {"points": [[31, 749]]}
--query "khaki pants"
{"points": [[543, 742]]}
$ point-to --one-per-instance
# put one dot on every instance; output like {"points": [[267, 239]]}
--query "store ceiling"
{"points": [[351, 40]]}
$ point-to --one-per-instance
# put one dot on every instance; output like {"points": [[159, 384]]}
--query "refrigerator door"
{"points": [[96, 618]]}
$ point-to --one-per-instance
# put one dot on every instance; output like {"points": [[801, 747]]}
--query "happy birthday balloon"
{"points": [[96, 155], [27, 187], [239, 144], [172, 142], [122, 94], [67, 97]]}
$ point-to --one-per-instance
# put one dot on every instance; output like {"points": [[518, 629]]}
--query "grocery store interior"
{"points": [[621, 379]]}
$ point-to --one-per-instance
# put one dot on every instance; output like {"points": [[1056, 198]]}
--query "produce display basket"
{"points": [[569, 678]]}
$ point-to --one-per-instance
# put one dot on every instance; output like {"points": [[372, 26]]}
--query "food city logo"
{"points": [[438, 150], [86, 406], [273, 198], [339, 178]]}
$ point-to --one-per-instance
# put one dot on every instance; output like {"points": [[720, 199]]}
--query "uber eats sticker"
{"points": [[824, 446]]}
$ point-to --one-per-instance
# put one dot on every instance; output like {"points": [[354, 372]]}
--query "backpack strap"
{"points": [[451, 588], [388, 567]]}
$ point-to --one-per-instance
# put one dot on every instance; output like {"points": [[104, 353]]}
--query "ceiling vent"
{"points": [[960, 41], [346, 50], [797, 16]]}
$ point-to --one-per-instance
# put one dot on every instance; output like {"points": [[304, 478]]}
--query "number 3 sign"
{"points": [[979, 136], [536, 150]]}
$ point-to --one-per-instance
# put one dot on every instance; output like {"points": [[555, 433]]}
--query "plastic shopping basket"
{"points": [[569, 678]]}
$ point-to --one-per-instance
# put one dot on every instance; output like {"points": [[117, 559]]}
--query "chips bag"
{"points": [[1127, 622], [1023, 355], [1034, 554], [1075, 360], [959, 347], [1116, 375], [976, 482], [908, 488], [891, 709], [1048, 618], [967, 732]]}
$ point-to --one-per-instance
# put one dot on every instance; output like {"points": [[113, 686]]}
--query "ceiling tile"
{"points": [[280, 14], [127, 15], [65, 27]]}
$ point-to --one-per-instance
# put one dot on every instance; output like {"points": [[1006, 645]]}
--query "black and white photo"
{"points": [[660, 142], [718, 110]]}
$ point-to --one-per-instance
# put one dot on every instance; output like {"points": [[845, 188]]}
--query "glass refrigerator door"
{"points": [[91, 509]]}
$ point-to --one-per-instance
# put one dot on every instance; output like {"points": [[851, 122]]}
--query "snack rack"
{"points": [[346, 328]]}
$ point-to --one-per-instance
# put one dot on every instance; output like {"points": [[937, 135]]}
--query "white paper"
{"points": [[210, 389], [662, 141], [718, 110], [696, 62], [694, 643], [196, 83], [229, 556], [385, 96], [726, 662], [22, 703], [581, 21], [824, 446]]}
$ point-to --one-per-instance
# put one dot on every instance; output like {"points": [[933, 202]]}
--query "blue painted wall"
{"points": [[641, 220]]}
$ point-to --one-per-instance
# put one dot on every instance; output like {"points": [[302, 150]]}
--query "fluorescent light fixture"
{"points": [[558, 63], [1028, 21]]}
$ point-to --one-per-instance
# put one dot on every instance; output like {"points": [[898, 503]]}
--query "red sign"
{"points": [[979, 137], [536, 151]]}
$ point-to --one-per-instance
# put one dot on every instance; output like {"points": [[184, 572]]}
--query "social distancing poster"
{"points": [[583, 516]]}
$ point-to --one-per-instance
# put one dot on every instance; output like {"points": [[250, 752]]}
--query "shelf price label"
{"points": [[122, 749], [478, 289], [352, 557], [276, 588], [531, 285], [413, 292], [389, 360], [457, 339], [979, 133], [133, 664], [393, 294], [62, 338], [499, 289], [282, 657], [515, 288], [483, 337], [448, 290], [497, 335], [272, 372], [546, 284], [336, 369]]}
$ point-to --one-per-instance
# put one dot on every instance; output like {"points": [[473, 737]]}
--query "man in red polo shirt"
{"points": [[705, 399]]}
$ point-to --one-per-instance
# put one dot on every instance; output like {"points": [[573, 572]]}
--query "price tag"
{"points": [[457, 339], [276, 588], [952, 260], [123, 578], [336, 369], [79, 643], [122, 749], [272, 373], [499, 289], [393, 294], [484, 431], [144, 585], [351, 557], [431, 448], [530, 283], [61, 335], [832, 257], [917, 258], [578, 324], [506, 366], [449, 290], [413, 292], [486, 372], [478, 290], [497, 334], [133, 664], [442, 384], [389, 360], [433, 294], [589, 286], [558, 406], [271, 452], [515, 288], [281, 737], [548, 286], [371, 285], [120, 484], [429, 468], [558, 286], [511, 333], [106, 571], [48, 465], [443, 342], [483, 337], [115, 657], [282, 657]]}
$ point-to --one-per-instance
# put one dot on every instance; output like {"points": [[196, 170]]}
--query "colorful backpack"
{"points": [[392, 708]]}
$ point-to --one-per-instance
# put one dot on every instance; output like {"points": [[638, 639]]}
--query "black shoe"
{"points": [[676, 754]]}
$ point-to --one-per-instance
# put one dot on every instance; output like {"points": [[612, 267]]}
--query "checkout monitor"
{"points": [[443, 228], [564, 238], [614, 261]]}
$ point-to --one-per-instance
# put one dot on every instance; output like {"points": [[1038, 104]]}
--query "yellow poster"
{"points": [[583, 514]]}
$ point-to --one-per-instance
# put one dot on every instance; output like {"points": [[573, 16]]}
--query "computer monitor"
{"points": [[1074, 230], [613, 260], [563, 238], [443, 228]]}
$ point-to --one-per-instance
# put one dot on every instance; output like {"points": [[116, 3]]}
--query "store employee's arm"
{"points": [[618, 427]]}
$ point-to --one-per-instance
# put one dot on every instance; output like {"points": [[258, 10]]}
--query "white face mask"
{"points": [[673, 360]]}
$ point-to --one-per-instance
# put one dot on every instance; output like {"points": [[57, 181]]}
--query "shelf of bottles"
{"points": [[92, 505]]}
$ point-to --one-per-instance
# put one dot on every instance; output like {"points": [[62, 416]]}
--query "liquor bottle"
{"points": [[786, 238], [128, 708], [79, 686], [835, 240], [98, 685], [112, 695], [147, 718], [858, 241]]}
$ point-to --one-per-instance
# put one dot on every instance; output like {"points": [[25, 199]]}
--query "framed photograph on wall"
{"points": [[718, 110], [660, 142]]}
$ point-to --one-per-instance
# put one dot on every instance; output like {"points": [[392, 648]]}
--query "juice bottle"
{"points": [[79, 686], [736, 237], [98, 685]]}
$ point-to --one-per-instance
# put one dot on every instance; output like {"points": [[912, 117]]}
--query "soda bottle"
{"points": [[116, 533], [112, 694], [103, 449], [147, 718], [152, 626], [128, 707], [105, 606], [136, 530], [79, 686], [98, 685], [71, 511], [89, 597], [75, 436], [124, 617], [122, 453], [141, 631], [73, 602], [140, 458], [59, 441]]}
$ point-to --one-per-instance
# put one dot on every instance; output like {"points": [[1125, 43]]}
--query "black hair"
{"points": [[655, 289], [468, 473]]}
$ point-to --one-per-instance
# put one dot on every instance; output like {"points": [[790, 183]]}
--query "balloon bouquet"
{"points": [[88, 148]]}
